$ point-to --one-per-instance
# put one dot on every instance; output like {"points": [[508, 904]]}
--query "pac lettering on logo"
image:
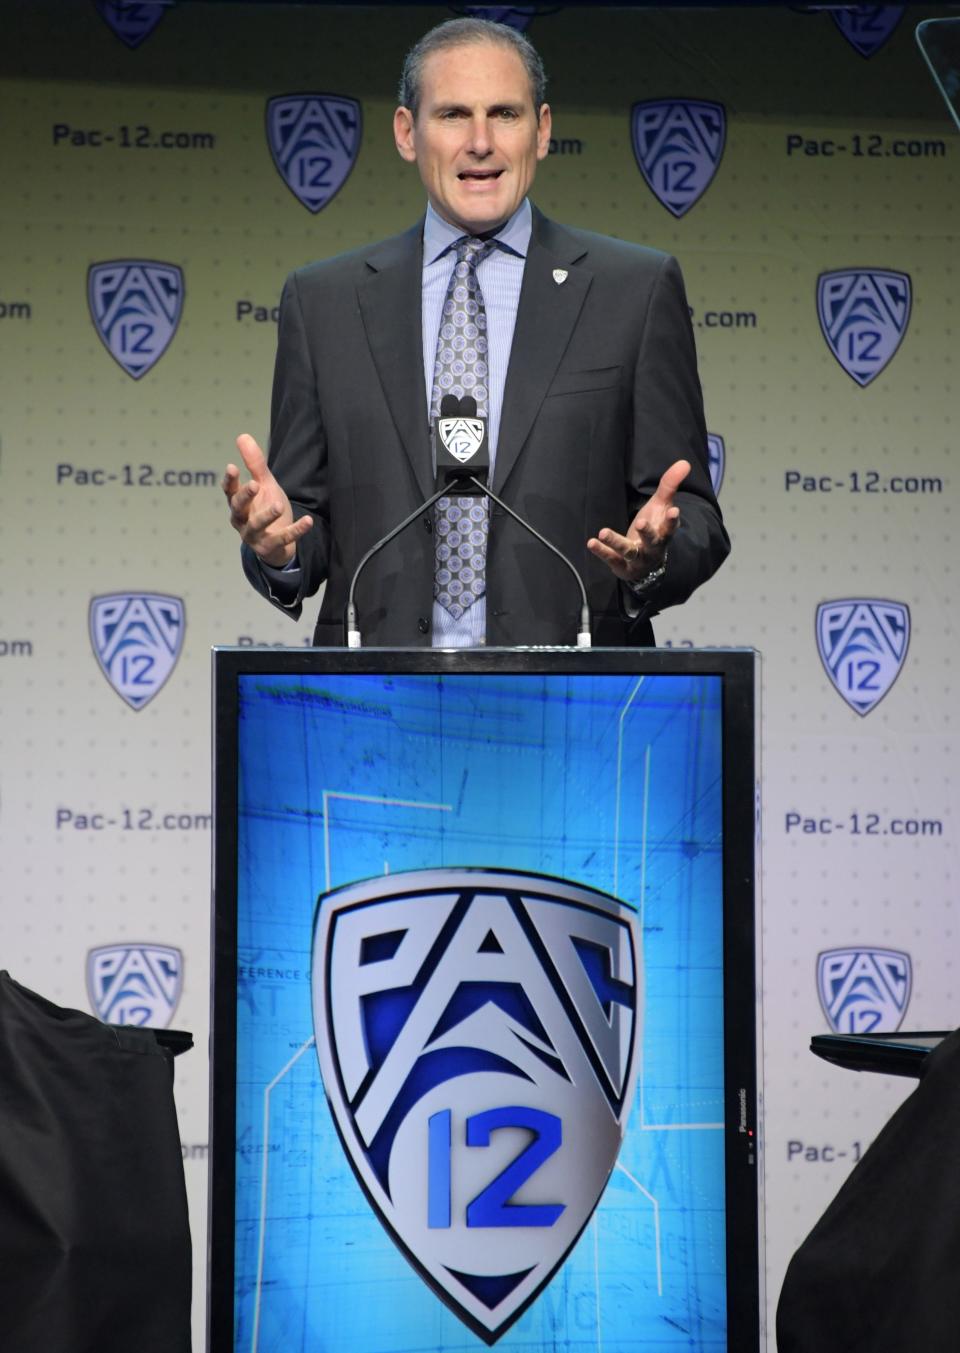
{"points": [[867, 27], [131, 21], [314, 140], [135, 983], [862, 644], [137, 638], [678, 144], [478, 1034], [136, 307], [864, 313], [463, 437], [716, 459], [864, 991]]}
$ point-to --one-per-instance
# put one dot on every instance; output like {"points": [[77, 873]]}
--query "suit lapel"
{"points": [[546, 316], [390, 298]]}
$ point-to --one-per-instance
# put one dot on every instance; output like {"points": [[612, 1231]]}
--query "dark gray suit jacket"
{"points": [[602, 394]]}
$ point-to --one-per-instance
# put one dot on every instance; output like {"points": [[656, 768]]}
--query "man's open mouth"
{"points": [[479, 175]]}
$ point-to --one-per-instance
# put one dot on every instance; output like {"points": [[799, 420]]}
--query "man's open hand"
{"points": [[260, 510], [643, 549]]}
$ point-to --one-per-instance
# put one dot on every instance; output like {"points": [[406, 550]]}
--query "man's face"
{"points": [[476, 139]]}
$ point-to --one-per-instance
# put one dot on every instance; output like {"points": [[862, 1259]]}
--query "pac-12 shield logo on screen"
{"points": [[133, 20], [716, 459], [135, 983], [864, 313], [866, 27], [314, 140], [137, 638], [478, 1035], [864, 991], [862, 644], [678, 144], [135, 306]]}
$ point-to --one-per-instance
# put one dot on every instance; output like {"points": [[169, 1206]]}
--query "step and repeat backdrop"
{"points": [[163, 166]]}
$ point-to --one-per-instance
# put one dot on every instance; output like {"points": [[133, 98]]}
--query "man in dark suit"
{"points": [[579, 349]]}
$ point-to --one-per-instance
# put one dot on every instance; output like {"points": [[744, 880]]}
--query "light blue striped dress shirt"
{"points": [[500, 275]]}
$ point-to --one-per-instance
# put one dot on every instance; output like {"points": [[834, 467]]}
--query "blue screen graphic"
{"points": [[612, 782]]}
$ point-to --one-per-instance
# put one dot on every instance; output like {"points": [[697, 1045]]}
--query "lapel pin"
{"points": [[559, 275]]}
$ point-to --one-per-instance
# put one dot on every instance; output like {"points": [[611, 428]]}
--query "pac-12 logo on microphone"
{"points": [[867, 27], [463, 437], [135, 983], [863, 644], [478, 1034], [314, 140], [678, 144], [137, 638], [133, 20], [135, 306], [864, 991], [864, 313]]}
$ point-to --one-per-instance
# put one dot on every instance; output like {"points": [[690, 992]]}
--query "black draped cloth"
{"points": [[880, 1271], [94, 1240]]}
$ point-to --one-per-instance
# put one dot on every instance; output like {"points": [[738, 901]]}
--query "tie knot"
{"points": [[470, 250]]}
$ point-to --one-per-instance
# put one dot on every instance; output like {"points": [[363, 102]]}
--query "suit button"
{"points": [[423, 625], [428, 524]]}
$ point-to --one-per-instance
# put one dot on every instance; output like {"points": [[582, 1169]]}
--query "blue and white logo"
{"points": [[132, 22], [866, 27], [137, 638], [863, 644], [314, 140], [678, 144], [135, 983], [478, 1034], [136, 307], [864, 991], [716, 459], [864, 313]]}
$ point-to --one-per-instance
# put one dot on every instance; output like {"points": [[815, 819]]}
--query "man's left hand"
{"points": [[643, 549]]}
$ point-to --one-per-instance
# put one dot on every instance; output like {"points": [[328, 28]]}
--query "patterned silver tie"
{"points": [[460, 369]]}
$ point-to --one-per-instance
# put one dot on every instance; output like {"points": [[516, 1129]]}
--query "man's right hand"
{"points": [[260, 510]]}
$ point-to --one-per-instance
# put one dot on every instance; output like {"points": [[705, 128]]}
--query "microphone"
{"points": [[463, 463], [460, 446]]}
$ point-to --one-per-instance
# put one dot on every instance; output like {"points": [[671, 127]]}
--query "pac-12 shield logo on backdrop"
{"points": [[867, 27], [133, 22], [716, 459], [478, 1035], [678, 144], [864, 991], [136, 307], [314, 140], [137, 638], [862, 645], [864, 313], [135, 983], [514, 16]]}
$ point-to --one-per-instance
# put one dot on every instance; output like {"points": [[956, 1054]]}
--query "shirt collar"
{"points": [[513, 235]]}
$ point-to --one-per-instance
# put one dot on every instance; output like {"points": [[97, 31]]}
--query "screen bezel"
{"points": [[737, 670]]}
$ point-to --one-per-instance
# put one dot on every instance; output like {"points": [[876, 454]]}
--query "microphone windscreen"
{"points": [[468, 407], [449, 406]]}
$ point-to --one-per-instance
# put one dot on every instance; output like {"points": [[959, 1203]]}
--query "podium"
{"points": [[484, 1017]]}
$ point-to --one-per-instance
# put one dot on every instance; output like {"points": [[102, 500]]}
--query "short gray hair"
{"points": [[463, 33]]}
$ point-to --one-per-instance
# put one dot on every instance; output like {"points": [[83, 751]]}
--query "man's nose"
{"points": [[480, 138]]}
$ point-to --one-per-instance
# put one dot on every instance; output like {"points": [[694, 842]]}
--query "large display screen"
{"points": [[472, 975]]}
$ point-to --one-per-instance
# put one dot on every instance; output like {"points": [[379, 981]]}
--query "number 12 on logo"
{"points": [[492, 1205]]}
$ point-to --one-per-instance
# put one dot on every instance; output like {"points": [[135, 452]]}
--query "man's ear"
{"points": [[544, 129], [403, 134]]}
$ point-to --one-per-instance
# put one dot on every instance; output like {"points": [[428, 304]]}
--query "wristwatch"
{"points": [[640, 585]]}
